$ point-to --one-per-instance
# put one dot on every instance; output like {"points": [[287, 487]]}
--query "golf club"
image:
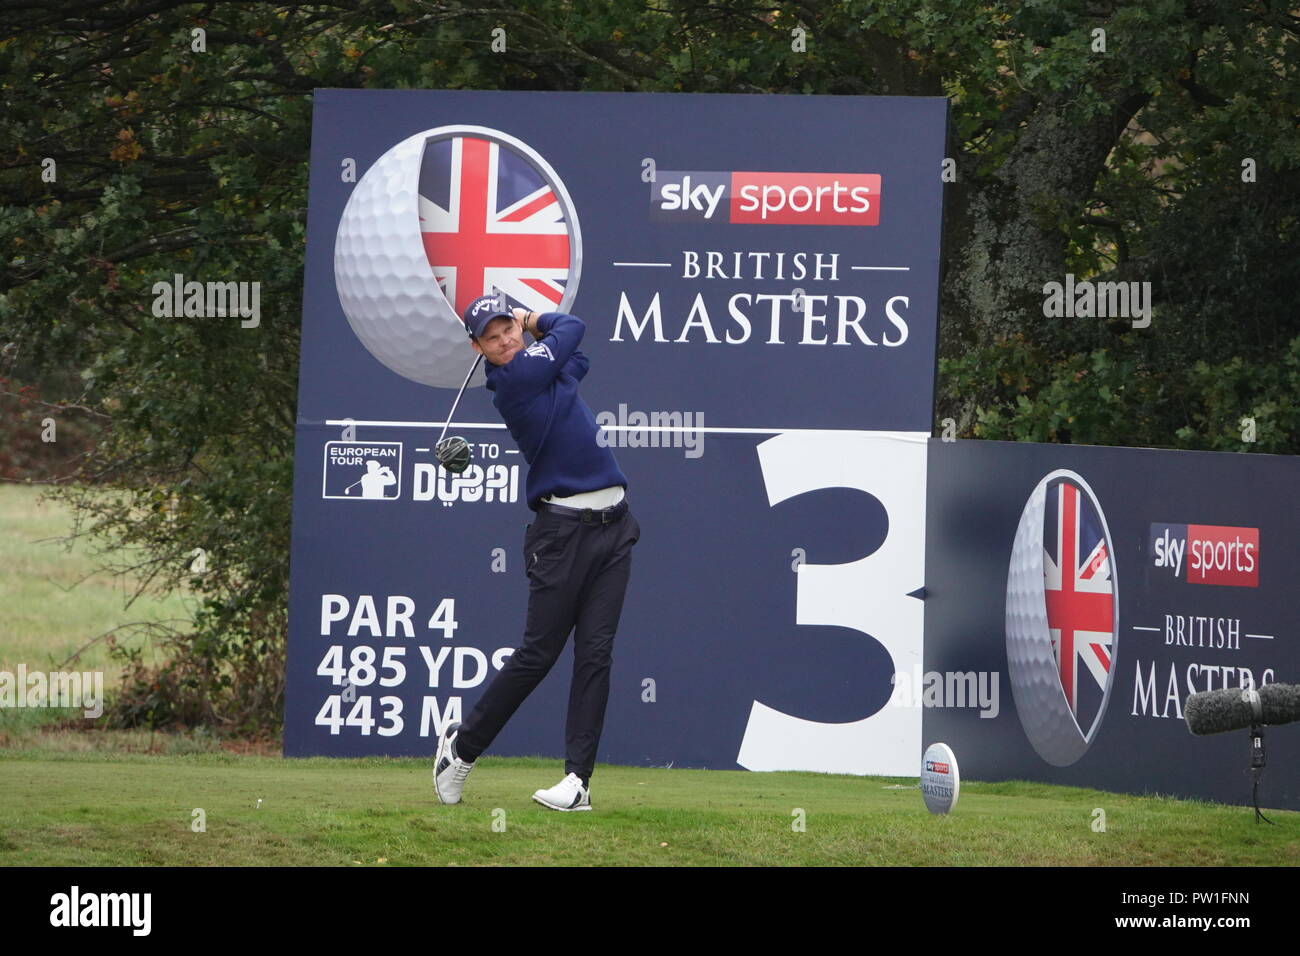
{"points": [[454, 453]]}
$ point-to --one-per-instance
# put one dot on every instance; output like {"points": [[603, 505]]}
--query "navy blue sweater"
{"points": [[536, 393]]}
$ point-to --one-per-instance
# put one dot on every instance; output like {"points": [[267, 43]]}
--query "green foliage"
{"points": [[1121, 395], [1227, 392]]}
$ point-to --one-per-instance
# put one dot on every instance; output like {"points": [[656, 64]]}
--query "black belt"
{"points": [[603, 515]]}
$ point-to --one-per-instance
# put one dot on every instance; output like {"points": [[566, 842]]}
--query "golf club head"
{"points": [[453, 454]]}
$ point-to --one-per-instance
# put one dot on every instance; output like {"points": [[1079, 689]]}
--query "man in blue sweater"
{"points": [[577, 551]]}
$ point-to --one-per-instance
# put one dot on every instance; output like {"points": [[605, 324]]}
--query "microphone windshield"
{"points": [[1218, 711]]}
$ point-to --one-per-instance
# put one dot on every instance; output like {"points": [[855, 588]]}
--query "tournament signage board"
{"points": [[1077, 596], [761, 325]]}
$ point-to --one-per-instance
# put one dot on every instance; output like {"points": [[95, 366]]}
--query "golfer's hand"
{"points": [[522, 315]]}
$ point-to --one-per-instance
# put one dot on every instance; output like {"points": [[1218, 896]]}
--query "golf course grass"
{"points": [[100, 808], [57, 605]]}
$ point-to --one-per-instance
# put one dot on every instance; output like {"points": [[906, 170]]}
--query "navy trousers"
{"points": [[578, 565]]}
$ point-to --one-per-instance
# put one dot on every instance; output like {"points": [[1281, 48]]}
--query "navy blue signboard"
{"points": [[1076, 596], [761, 327]]}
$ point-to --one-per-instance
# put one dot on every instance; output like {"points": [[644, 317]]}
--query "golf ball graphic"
{"points": [[940, 782], [441, 218], [1062, 617]]}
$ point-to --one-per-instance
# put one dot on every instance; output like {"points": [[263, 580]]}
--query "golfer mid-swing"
{"points": [[577, 551]]}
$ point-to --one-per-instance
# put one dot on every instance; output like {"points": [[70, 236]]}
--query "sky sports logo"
{"points": [[766, 199], [1211, 554]]}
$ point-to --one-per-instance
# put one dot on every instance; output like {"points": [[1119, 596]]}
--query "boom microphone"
{"points": [[1218, 711]]}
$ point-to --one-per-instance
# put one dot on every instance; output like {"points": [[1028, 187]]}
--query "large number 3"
{"points": [[869, 595]]}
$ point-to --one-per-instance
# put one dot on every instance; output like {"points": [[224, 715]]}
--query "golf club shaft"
{"points": [[452, 414]]}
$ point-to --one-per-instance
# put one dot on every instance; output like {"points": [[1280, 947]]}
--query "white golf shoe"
{"points": [[449, 771], [568, 794]]}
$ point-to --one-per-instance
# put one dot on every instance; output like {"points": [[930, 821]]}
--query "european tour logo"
{"points": [[766, 198]]}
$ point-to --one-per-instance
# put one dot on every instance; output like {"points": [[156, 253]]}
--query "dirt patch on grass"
{"points": [[265, 747]]}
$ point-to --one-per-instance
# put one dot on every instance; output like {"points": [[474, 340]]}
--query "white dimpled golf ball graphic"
{"points": [[1032, 669], [381, 269]]}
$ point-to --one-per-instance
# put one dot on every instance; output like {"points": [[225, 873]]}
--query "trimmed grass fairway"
{"points": [[118, 809]]}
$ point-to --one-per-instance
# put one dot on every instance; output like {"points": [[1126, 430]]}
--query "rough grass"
{"points": [[54, 601]]}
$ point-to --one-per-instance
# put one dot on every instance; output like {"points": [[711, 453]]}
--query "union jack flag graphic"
{"points": [[1080, 595], [491, 221]]}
